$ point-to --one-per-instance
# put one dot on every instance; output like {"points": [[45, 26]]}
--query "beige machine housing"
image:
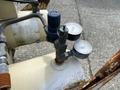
{"points": [[7, 10], [22, 33], [26, 32]]}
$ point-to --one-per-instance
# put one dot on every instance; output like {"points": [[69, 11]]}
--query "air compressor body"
{"points": [[40, 73]]}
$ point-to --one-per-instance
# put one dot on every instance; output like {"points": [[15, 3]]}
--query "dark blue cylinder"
{"points": [[53, 21], [53, 25]]}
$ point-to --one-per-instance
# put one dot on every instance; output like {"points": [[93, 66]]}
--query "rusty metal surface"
{"points": [[105, 74]]}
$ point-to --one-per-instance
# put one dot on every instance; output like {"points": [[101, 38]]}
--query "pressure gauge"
{"points": [[74, 30], [82, 49]]}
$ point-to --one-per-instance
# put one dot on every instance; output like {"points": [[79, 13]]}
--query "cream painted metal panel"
{"points": [[42, 74]]}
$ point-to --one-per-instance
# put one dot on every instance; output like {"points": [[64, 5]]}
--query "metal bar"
{"points": [[7, 23]]}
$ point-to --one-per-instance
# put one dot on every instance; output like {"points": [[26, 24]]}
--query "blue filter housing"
{"points": [[54, 18]]}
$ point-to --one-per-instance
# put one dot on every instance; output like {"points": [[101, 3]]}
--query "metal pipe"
{"points": [[60, 46], [7, 23]]}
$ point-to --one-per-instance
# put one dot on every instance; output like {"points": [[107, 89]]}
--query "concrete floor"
{"points": [[101, 24]]}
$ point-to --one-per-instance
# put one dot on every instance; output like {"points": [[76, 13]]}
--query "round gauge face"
{"points": [[74, 28], [83, 47]]}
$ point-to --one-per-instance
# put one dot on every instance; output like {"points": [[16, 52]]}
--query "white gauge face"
{"points": [[74, 28], [83, 47]]}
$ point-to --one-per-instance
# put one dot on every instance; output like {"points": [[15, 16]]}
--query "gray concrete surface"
{"points": [[101, 24], [106, 4]]}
